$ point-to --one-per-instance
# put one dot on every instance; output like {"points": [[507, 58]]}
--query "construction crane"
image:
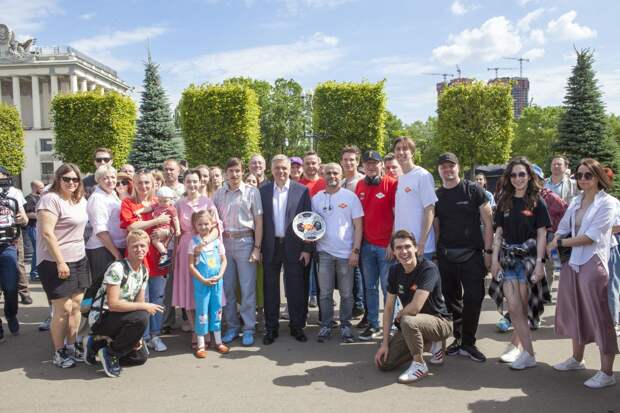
{"points": [[458, 71], [444, 75], [520, 60], [500, 68]]}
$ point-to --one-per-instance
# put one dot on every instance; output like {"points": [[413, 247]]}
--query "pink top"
{"points": [[69, 229]]}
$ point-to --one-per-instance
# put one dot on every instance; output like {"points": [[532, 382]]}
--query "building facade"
{"points": [[30, 77]]}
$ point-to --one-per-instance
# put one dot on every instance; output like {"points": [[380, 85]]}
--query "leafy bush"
{"points": [[11, 139]]}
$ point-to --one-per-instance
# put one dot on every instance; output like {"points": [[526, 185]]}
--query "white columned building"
{"points": [[30, 77]]}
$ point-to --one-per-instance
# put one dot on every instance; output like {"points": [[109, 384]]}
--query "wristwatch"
{"points": [[488, 251], [542, 260], [559, 242], [356, 251]]}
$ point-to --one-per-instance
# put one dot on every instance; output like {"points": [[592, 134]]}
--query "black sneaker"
{"points": [[110, 363], [454, 348], [363, 324], [13, 325], [472, 352], [26, 299], [369, 334], [89, 351], [358, 311]]}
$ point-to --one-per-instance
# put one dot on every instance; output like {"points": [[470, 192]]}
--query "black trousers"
{"points": [[462, 286], [296, 290], [125, 330]]}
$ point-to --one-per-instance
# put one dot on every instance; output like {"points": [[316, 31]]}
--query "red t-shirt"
{"points": [[313, 186], [128, 206], [378, 204]]}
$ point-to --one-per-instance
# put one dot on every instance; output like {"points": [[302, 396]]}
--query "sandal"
{"points": [[201, 353], [222, 349], [194, 341]]}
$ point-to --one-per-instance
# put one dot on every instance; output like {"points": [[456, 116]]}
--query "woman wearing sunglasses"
{"points": [[519, 245], [61, 258], [124, 185], [582, 312]]}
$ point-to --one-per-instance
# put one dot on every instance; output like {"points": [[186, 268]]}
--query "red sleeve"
{"points": [[127, 216], [392, 185]]}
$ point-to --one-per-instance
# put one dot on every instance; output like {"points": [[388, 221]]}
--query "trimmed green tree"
{"points": [[347, 114], [475, 121], [219, 122], [536, 133], [86, 121], [11, 139], [157, 138]]}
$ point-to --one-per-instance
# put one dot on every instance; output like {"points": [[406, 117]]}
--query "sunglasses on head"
{"points": [[123, 182], [518, 175], [106, 160], [68, 179], [586, 176]]}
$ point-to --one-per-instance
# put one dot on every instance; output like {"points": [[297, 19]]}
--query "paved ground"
{"points": [[291, 376]]}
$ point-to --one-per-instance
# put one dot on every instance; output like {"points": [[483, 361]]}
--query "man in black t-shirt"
{"points": [[423, 322], [462, 207]]}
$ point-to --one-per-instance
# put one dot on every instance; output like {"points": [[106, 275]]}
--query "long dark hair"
{"points": [[507, 191], [77, 195]]}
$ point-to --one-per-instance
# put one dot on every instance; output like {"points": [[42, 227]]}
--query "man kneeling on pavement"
{"points": [[423, 323], [119, 321]]}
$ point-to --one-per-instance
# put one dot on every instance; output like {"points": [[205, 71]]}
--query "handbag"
{"points": [[564, 252], [457, 255]]}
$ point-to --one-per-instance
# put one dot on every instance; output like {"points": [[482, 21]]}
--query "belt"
{"points": [[279, 240], [238, 234]]}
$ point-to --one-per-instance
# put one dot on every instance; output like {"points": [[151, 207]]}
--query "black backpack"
{"points": [[91, 299]]}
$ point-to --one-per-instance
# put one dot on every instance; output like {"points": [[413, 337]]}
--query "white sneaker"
{"points": [[437, 352], [156, 344], [600, 380], [415, 372], [510, 354], [570, 364], [524, 361]]}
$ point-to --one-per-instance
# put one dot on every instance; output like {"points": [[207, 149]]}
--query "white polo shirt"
{"points": [[338, 210]]}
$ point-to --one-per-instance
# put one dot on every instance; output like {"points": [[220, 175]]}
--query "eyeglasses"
{"points": [[68, 179], [586, 176], [123, 182], [106, 160], [518, 175]]}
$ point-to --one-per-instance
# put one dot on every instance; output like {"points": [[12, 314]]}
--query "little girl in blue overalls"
{"points": [[207, 263]]}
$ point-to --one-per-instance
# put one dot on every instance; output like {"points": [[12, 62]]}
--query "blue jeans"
{"points": [[32, 235], [155, 292], [375, 268], [330, 268], [613, 285], [312, 278], [8, 280], [239, 270]]}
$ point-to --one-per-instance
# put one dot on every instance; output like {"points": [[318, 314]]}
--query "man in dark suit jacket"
{"points": [[282, 200]]}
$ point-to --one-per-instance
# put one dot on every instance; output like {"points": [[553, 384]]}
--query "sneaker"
{"points": [[313, 302], [454, 348], [45, 324], [437, 352], [156, 344], [570, 364], [89, 352], [63, 359], [524, 361], [76, 352], [26, 299], [109, 361], [533, 324], [358, 312], [248, 338], [325, 334], [230, 335], [600, 380], [346, 335], [472, 352], [510, 354], [369, 334], [13, 325], [503, 325], [414, 373], [333, 324], [363, 324]]}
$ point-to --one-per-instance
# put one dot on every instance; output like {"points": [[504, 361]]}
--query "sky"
{"points": [[312, 41]]}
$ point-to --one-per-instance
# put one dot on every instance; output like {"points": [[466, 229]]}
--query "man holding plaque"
{"points": [[282, 200]]}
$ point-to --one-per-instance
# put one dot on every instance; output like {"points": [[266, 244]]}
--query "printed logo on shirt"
{"points": [[343, 205], [463, 203], [407, 189], [380, 195], [413, 287], [401, 289], [527, 213], [362, 195]]}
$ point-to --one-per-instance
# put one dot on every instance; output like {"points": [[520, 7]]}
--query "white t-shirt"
{"points": [[415, 191], [16, 194], [338, 210]]}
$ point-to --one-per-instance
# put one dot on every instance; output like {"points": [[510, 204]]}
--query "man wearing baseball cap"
{"points": [[463, 255]]}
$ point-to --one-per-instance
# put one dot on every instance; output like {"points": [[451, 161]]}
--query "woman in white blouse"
{"points": [[582, 312]]}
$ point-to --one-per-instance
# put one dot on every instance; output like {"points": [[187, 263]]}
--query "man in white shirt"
{"points": [[559, 181], [415, 198], [338, 250]]}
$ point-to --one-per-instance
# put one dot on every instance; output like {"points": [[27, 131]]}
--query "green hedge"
{"points": [[219, 122], [11, 139], [347, 114], [86, 121]]}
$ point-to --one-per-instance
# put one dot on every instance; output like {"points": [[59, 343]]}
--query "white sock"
{"points": [[200, 341], [217, 335]]}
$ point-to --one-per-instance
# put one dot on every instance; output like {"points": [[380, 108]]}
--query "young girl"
{"points": [[207, 263]]}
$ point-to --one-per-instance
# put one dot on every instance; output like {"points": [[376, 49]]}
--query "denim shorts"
{"points": [[517, 273]]}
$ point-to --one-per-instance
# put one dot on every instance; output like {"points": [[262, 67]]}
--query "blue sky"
{"points": [[311, 41]]}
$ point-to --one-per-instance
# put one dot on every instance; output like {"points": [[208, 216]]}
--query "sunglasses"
{"points": [[106, 160], [586, 176], [123, 182], [67, 179], [518, 175]]}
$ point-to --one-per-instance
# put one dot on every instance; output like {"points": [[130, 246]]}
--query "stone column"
{"points": [[83, 85], [17, 100], [92, 86], [53, 85], [74, 82], [36, 103]]}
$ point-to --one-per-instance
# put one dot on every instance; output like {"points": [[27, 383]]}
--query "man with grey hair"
{"points": [[283, 199], [257, 168]]}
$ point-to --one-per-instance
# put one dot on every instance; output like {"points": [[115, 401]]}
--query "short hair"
{"points": [[563, 157], [193, 171], [104, 170], [389, 157], [332, 165], [103, 149], [257, 155], [157, 175], [597, 169], [351, 149], [280, 158], [137, 234], [402, 234], [410, 143], [169, 160], [232, 162], [312, 153], [63, 169]]}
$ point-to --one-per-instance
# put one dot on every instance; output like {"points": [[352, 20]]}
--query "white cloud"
{"points": [[105, 42], [28, 15], [565, 28], [87, 16], [535, 53], [525, 22], [400, 66], [458, 8], [537, 36], [495, 38]]}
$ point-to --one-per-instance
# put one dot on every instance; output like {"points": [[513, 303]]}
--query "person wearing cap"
{"points": [[377, 194], [463, 252], [297, 165]]}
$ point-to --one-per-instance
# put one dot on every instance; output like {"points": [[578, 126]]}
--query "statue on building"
{"points": [[10, 47]]}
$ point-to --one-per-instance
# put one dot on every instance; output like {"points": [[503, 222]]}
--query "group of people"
{"points": [[118, 252]]}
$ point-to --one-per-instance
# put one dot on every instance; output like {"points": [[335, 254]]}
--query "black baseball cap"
{"points": [[371, 156], [4, 171], [447, 157]]}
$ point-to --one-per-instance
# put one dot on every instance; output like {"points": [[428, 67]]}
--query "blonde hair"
{"points": [[136, 178], [137, 234]]}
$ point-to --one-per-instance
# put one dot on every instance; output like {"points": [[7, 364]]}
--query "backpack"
{"points": [[93, 300], [9, 230]]}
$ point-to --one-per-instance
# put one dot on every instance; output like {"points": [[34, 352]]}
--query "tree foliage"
{"points": [[394, 127], [86, 121], [11, 139], [475, 121], [219, 122], [424, 134], [536, 133], [157, 138], [348, 113]]}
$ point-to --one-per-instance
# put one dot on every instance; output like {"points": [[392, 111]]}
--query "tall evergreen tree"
{"points": [[583, 129], [156, 137]]}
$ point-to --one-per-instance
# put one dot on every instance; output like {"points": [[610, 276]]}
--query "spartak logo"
{"points": [[407, 189], [343, 205], [527, 213], [413, 287]]}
